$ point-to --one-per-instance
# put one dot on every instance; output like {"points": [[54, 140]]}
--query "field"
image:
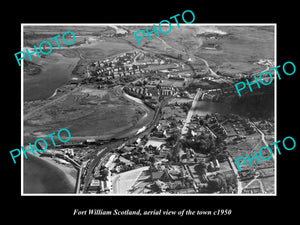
{"points": [[88, 112], [103, 49], [253, 143], [237, 53], [243, 47], [239, 49]]}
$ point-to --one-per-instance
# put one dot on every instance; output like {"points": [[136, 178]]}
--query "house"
{"points": [[90, 141]]}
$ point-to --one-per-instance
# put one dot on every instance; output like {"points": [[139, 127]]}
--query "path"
{"points": [[49, 103], [263, 139], [203, 60], [239, 183], [260, 184]]}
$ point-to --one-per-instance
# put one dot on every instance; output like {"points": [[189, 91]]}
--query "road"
{"points": [[203, 60], [260, 184], [239, 183], [112, 145], [263, 139]]}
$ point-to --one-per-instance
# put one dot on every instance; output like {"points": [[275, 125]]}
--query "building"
{"points": [[166, 90]]}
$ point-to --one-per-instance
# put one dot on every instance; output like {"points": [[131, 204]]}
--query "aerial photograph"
{"points": [[162, 117]]}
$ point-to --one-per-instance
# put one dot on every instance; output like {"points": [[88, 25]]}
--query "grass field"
{"points": [[103, 49], [241, 49], [252, 143], [87, 112], [243, 46]]}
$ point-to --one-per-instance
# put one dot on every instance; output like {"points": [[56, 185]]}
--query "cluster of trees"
{"points": [[172, 140], [201, 168], [186, 106], [103, 173], [217, 184], [202, 144], [222, 183]]}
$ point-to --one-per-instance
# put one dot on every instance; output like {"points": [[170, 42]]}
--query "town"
{"points": [[181, 152], [148, 120]]}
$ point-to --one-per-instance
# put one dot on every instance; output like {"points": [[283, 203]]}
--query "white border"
{"points": [[148, 24]]}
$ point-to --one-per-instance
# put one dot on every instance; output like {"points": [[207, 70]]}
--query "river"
{"points": [[142, 123]]}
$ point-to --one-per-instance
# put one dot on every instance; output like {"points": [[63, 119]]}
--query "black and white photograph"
{"points": [[159, 116], [170, 114]]}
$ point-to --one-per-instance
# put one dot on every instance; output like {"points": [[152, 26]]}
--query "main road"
{"points": [[190, 113]]}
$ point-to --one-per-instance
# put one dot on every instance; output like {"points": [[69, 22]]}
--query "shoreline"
{"points": [[67, 170]]}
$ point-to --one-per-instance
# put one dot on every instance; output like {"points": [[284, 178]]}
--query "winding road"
{"points": [[193, 56]]}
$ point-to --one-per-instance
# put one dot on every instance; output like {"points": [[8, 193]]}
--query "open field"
{"points": [[237, 53], [252, 143], [88, 112], [45, 31], [243, 47], [102, 49]]}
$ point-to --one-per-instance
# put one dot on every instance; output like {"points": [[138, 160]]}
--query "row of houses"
{"points": [[138, 91], [149, 91], [166, 90], [118, 72], [153, 62]]}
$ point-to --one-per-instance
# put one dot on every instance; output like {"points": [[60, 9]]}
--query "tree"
{"points": [[152, 159], [173, 138], [169, 156], [222, 182], [201, 122], [217, 184], [213, 185], [207, 116], [201, 168]]}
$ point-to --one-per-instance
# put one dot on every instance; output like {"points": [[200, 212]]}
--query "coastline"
{"points": [[69, 172]]}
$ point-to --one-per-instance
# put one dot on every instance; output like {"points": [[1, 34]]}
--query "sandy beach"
{"points": [[68, 172]]}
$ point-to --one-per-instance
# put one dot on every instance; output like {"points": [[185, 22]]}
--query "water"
{"points": [[56, 71], [42, 177], [39, 175], [250, 108], [202, 108]]}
